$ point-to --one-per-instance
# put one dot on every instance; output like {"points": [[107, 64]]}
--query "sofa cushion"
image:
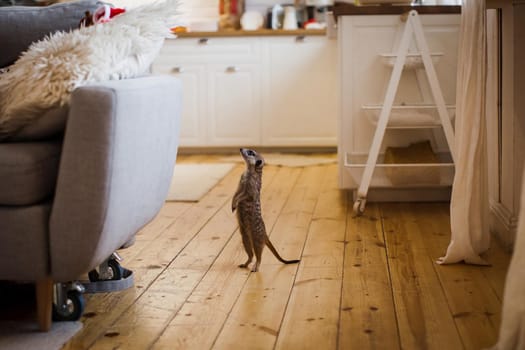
{"points": [[22, 25], [28, 171], [51, 124]]}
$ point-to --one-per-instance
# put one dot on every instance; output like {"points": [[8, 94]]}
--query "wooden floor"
{"points": [[367, 282]]}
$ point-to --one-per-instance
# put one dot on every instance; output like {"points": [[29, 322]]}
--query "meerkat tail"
{"points": [[274, 251]]}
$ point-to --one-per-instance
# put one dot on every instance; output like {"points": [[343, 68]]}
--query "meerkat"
{"points": [[247, 202]]}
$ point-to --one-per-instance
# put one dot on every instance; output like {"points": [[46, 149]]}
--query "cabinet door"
{"points": [[193, 76], [234, 104], [300, 106]]}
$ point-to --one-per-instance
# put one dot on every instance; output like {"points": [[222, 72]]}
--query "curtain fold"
{"points": [[469, 202]]}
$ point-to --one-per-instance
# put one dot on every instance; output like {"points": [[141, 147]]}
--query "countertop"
{"points": [[344, 9], [260, 32]]}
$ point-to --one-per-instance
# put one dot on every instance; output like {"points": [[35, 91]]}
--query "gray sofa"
{"points": [[78, 185]]}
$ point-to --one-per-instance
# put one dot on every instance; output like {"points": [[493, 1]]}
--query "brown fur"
{"points": [[247, 202]]}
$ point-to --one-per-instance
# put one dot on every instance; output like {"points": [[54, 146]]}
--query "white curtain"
{"points": [[469, 202]]}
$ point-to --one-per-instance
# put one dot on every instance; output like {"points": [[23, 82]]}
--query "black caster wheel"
{"points": [[115, 272], [72, 310]]}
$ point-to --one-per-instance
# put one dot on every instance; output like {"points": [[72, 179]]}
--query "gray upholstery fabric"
{"points": [[22, 25], [24, 251], [109, 176], [28, 172], [117, 161], [50, 124]]}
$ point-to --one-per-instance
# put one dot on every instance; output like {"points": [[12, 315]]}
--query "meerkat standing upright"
{"points": [[247, 201]]}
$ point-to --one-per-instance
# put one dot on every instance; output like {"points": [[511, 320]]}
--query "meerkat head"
{"points": [[252, 158]]}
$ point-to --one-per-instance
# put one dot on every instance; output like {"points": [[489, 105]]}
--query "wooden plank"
{"points": [[189, 266], [500, 260], [474, 304], [368, 319], [185, 305], [255, 320], [198, 322], [202, 317], [103, 310], [312, 316], [497, 256], [146, 319], [421, 306]]}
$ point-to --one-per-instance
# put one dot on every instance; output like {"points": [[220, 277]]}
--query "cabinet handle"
{"points": [[203, 41], [300, 39], [177, 70], [232, 69]]}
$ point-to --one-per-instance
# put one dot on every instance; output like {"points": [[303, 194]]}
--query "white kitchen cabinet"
{"points": [[193, 120], [255, 91], [300, 89], [221, 87], [234, 104], [365, 42]]}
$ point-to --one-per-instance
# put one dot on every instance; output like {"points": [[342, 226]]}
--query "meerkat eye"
{"points": [[250, 153]]}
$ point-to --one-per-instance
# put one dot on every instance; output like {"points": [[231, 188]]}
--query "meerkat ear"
{"points": [[259, 162]]}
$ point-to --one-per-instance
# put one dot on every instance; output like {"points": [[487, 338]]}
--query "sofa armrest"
{"points": [[119, 150]]}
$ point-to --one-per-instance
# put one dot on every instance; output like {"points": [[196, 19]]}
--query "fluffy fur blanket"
{"points": [[46, 74]]}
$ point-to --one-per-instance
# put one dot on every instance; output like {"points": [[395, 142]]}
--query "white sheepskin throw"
{"points": [[46, 74]]}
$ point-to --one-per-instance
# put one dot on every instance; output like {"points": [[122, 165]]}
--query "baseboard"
{"points": [[437, 194], [503, 225]]}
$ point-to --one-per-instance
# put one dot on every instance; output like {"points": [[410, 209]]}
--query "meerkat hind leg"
{"points": [[258, 248], [246, 242]]}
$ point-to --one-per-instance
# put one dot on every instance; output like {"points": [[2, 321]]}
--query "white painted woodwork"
{"points": [[506, 129], [364, 78], [233, 106], [300, 87], [258, 91]]}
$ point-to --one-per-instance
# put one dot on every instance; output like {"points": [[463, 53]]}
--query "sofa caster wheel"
{"points": [[359, 206], [69, 304], [110, 276], [109, 271]]}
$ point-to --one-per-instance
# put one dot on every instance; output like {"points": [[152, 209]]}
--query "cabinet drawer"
{"points": [[215, 49]]}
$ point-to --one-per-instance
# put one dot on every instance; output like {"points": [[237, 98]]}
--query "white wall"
{"points": [[204, 8], [199, 9], [263, 5], [210, 8], [191, 9]]}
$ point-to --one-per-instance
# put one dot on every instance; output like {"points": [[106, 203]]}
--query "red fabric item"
{"points": [[115, 11]]}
